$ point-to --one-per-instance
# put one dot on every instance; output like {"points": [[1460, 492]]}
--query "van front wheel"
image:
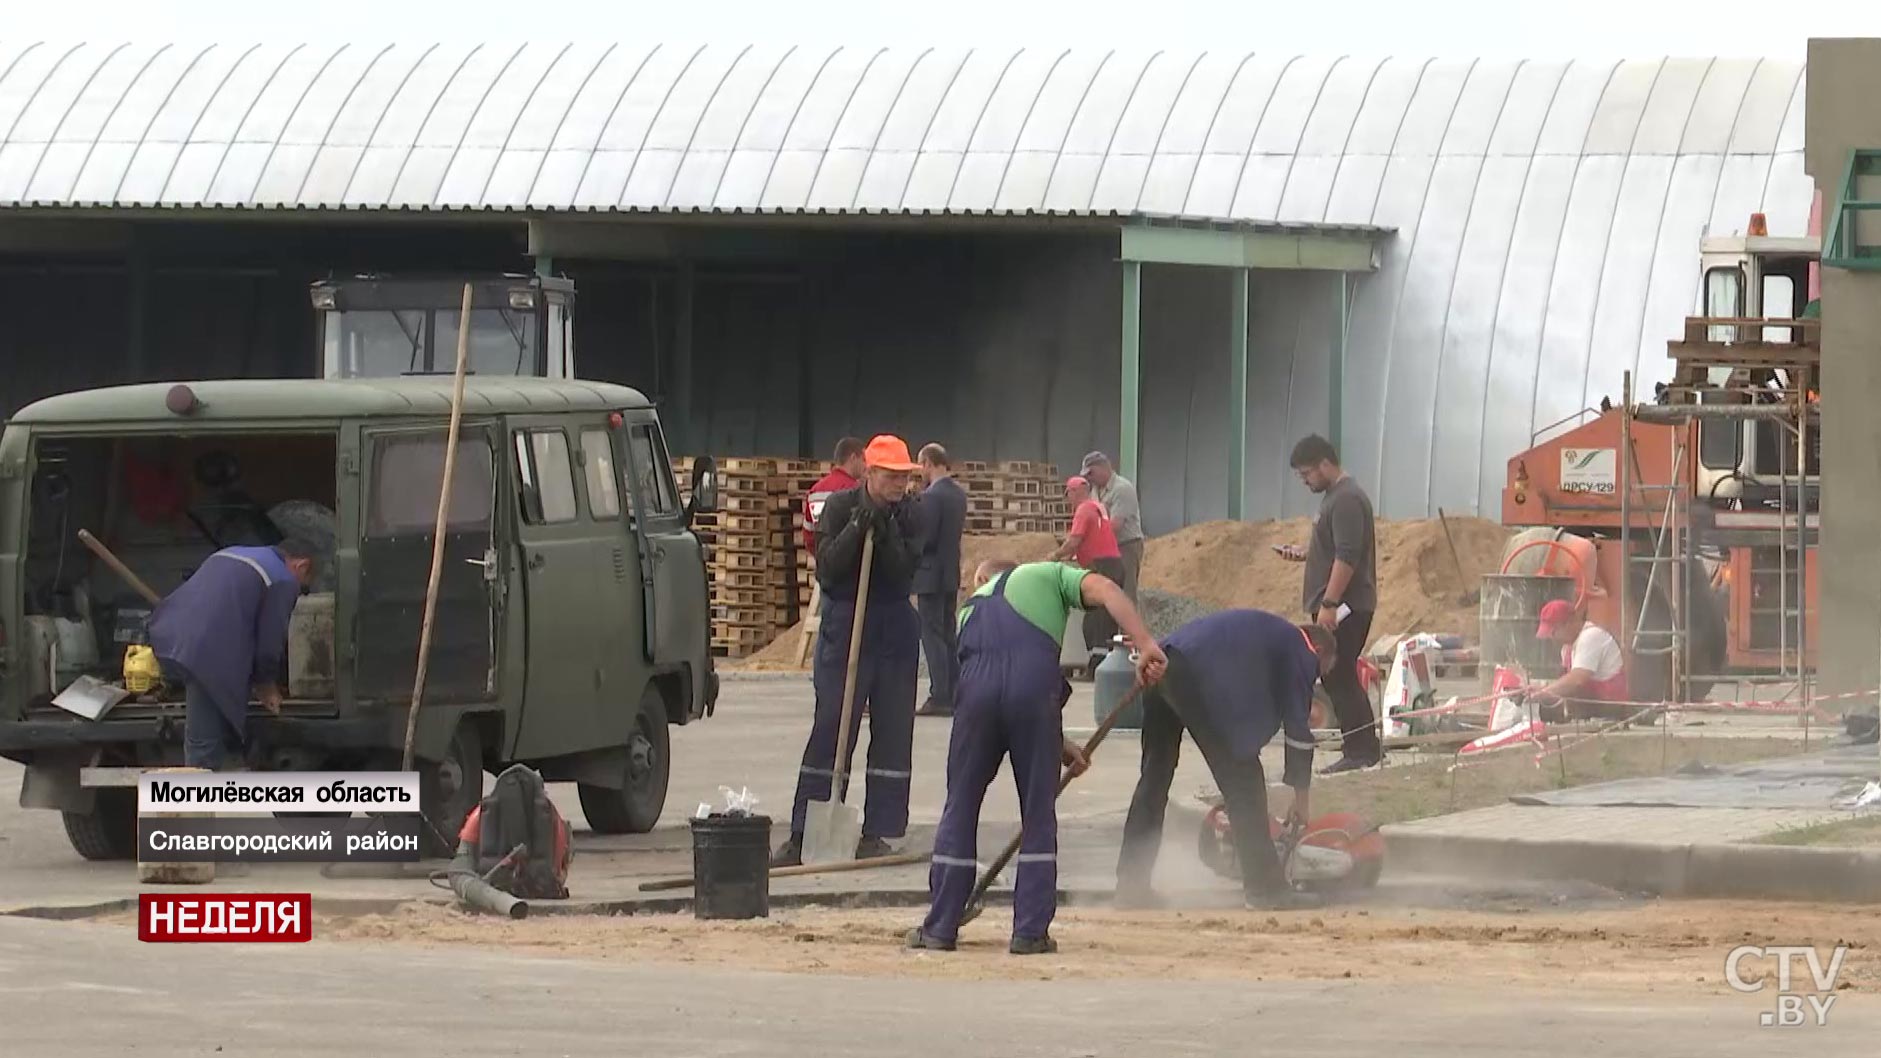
{"points": [[635, 807]]}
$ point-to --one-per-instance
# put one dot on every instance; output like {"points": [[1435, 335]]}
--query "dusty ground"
{"points": [[1660, 945]]}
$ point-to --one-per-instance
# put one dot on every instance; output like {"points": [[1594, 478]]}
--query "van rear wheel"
{"points": [[109, 830], [448, 790], [635, 807]]}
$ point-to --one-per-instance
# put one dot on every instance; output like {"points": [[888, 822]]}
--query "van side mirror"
{"points": [[704, 487]]}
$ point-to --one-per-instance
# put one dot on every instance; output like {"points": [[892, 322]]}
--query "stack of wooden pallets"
{"points": [[763, 580], [748, 556], [1014, 496]]}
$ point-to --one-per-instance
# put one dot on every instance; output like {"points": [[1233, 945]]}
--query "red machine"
{"points": [[1335, 852], [1699, 507]]}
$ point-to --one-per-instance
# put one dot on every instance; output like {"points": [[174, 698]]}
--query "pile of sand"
{"points": [[1232, 564]]}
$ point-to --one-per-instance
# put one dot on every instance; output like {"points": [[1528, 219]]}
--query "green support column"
{"points": [[1132, 368], [545, 266], [1237, 394], [1335, 413], [684, 287]]}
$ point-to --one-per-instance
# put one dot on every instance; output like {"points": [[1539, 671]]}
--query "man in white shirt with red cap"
{"points": [[1593, 666]]}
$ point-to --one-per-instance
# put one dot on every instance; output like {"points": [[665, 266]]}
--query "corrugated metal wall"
{"points": [[1548, 215]]}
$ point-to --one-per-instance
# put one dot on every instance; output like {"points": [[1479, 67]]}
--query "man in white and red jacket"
{"points": [[1593, 676]]}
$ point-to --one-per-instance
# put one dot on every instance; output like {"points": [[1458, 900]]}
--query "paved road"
{"points": [[94, 990]]}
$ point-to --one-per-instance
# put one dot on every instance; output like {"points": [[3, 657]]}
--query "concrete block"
{"points": [[1781, 872], [1632, 866]]}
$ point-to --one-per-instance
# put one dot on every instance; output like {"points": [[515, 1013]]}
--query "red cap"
{"points": [[1554, 614], [888, 452], [1075, 482]]}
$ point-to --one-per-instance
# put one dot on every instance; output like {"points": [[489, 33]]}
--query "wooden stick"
{"points": [[900, 859], [839, 769], [104, 555], [437, 540]]}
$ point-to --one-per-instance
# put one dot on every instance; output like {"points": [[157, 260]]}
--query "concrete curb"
{"points": [[848, 899], [1758, 872]]}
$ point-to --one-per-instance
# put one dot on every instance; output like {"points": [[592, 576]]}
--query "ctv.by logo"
{"points": [[1790, 1004]]}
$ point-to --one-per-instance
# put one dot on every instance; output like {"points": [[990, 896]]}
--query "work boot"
{"points": [[789, 854], [934, 708], [1345, 764], [1033, 945], [1283, 900], [919, 940], [872, 848]]}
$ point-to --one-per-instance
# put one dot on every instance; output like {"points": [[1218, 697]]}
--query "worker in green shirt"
{"points": [[1009, 703]]}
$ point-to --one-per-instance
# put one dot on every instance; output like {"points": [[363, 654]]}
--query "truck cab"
{"points": [[391, 326], [1754, 277]]}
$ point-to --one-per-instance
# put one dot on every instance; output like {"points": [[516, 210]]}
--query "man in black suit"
{"points": [[943, 517]]}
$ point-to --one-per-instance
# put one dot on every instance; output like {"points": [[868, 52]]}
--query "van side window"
{"points": [[597, 460], [407, 475], [546, 477], [653, 476]]}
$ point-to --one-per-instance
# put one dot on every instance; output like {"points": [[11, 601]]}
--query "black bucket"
{"points": [[731, 867]]}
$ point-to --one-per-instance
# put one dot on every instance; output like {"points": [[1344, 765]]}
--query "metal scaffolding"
{"points": [[1683, 530]]}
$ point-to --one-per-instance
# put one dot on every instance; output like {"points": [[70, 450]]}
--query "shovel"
{"points": [[977, 902], [1472, 596], [832, 828]]}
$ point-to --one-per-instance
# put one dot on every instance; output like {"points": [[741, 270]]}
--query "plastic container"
{"points": [[731, 867], [1116, 674], [1510, 616]]}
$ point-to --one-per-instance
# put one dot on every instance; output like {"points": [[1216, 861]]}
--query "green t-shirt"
{"points": [[1044, 593]]}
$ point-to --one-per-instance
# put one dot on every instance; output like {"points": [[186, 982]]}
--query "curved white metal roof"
{"points": [[1547, 213], [636, 127]]}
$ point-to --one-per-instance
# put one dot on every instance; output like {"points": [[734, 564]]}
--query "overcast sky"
{"points": [[1443, 28]]}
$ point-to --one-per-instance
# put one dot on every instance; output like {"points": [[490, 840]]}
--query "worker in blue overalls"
{"points": [[1010, 702], [889, 661]]}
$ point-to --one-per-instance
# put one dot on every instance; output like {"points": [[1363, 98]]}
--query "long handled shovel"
{"points": [[832, 828], [976, 902]]}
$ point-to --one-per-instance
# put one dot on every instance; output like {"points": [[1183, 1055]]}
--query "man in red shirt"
{"points": [[1092, 543], [850, 467]]}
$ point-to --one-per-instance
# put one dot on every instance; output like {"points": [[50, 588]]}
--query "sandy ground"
{"points": [[1656, 945]]}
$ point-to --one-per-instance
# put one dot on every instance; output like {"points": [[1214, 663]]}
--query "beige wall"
{"points": [[1841, 114]]}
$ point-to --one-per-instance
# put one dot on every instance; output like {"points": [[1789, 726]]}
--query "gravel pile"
{"points": [[1165, 612]]}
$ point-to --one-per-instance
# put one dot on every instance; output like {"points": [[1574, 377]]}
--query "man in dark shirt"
{"points": [[223, 634], [1341, 576], [890, 654], [943, 510], [1233, 680]]}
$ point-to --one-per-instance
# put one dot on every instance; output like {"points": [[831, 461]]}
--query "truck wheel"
{"points": [[109, 830], [448, 790], [635, 807]]}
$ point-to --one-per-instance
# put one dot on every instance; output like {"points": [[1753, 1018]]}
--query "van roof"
{"points": [[296, 398]]}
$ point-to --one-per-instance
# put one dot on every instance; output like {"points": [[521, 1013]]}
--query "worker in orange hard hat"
{"points": [[1593, 668], [889, 660]]}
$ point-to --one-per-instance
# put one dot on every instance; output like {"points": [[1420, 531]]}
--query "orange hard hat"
{"points": [[888, 452]]}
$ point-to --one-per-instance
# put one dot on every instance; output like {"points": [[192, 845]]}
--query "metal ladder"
{"points": [[1664, 565]]}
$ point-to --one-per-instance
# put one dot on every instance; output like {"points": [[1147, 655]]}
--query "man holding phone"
{"points": [[1340, 591]]}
